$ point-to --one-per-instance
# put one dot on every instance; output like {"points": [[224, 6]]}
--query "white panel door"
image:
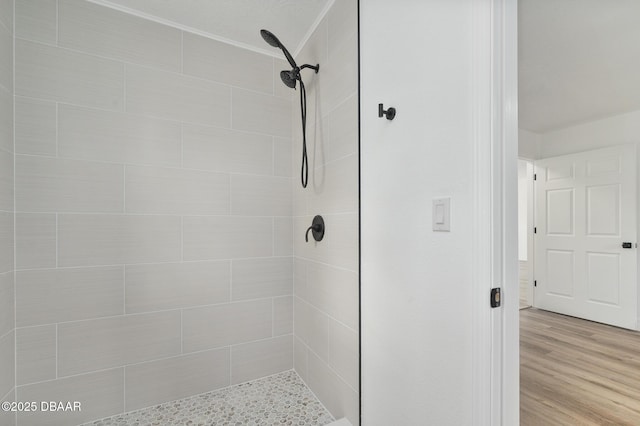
{"points": [[585, 211]]}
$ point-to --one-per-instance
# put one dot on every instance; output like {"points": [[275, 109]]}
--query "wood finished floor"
{"points": [[577, 372]]}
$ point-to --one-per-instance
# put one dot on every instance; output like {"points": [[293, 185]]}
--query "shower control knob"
{"points": [[317, 226], [390, 113]]}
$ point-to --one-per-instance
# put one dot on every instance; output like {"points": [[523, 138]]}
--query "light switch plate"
{"points": [[441, 216]]}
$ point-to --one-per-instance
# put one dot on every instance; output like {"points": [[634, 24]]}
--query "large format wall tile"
{"points": [[93, 134], [65, 76], [177, 97], [7, 355], [260, 196], [343, 352], [6, 12], [282, 315], [260, 113], [219, 237], [106, 32], [46, 296], [6, 235], [35, 354], [35, 126], [339, 398], [234, 323], [99, 393], [224, 150], [176, 191], [163, 286], [57, 185], [312, 327], [6, 180], [37, 20], [85, 240], [155, 382], [257, 278], [35, 240], [253, 360], [6, 120], [240, 67], [111, 342], [6, 65], [7, 318]]}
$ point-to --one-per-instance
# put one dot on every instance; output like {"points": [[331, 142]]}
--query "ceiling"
{"points": [[579, 60], [234, 21]]}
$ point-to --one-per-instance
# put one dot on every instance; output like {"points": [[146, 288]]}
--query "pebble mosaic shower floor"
{"points": [[281, 399]]}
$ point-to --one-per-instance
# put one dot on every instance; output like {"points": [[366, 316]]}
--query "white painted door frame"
{"points": [[495, 83]]}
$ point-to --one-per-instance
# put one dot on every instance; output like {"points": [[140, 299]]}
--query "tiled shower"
{"points": [[151, 215]]}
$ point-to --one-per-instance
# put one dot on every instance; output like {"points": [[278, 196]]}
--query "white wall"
{"points": [[7, 317], [154, 225], [326, 272], [416, 284], [528, 144], [616, 130]]}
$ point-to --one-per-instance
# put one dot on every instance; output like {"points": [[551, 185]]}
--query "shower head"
{"points": [[273, 41], [289, 78]]}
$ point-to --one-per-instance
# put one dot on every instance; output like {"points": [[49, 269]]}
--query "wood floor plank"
{"points": [[577, 372]]}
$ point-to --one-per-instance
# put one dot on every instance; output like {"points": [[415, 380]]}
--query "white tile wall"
{"points": [[226, 324], [223, 237], [35, 240], [63, 75], [7, 355], [6, 120], [85, 240], [7, 313], [35, 126], [260, 195], [157, 190], [162, 286], [100, 394], [6, 65], [175, 96], [7, 212], [35, 354], [105, 32], [154, 227], [46, 296], [259, 278], [6, 234], [258, 359], [326, 282], [46, 184], [99, 344], [241, 68], [36, 20], [174, 378], [260, 113], [225, 150], [93, 134]]}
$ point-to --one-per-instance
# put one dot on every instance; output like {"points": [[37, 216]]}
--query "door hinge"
{"points": [[535, 176], [535, 283], [535, 230], [495, 297]]}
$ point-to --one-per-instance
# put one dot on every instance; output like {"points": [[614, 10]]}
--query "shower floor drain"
{"points": [[281, 399]]}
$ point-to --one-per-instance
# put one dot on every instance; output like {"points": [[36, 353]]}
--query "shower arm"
{"points": [[313, 67]]}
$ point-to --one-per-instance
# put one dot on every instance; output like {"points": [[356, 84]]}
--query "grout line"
{"points": [[57, 356], [57, 21], [57, 243], [124, 388], [13, 129]]}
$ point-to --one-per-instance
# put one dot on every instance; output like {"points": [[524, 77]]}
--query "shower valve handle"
{"points": [[317, 227]]}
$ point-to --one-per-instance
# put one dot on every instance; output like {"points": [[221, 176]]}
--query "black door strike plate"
{"points": [[495, 297]]}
